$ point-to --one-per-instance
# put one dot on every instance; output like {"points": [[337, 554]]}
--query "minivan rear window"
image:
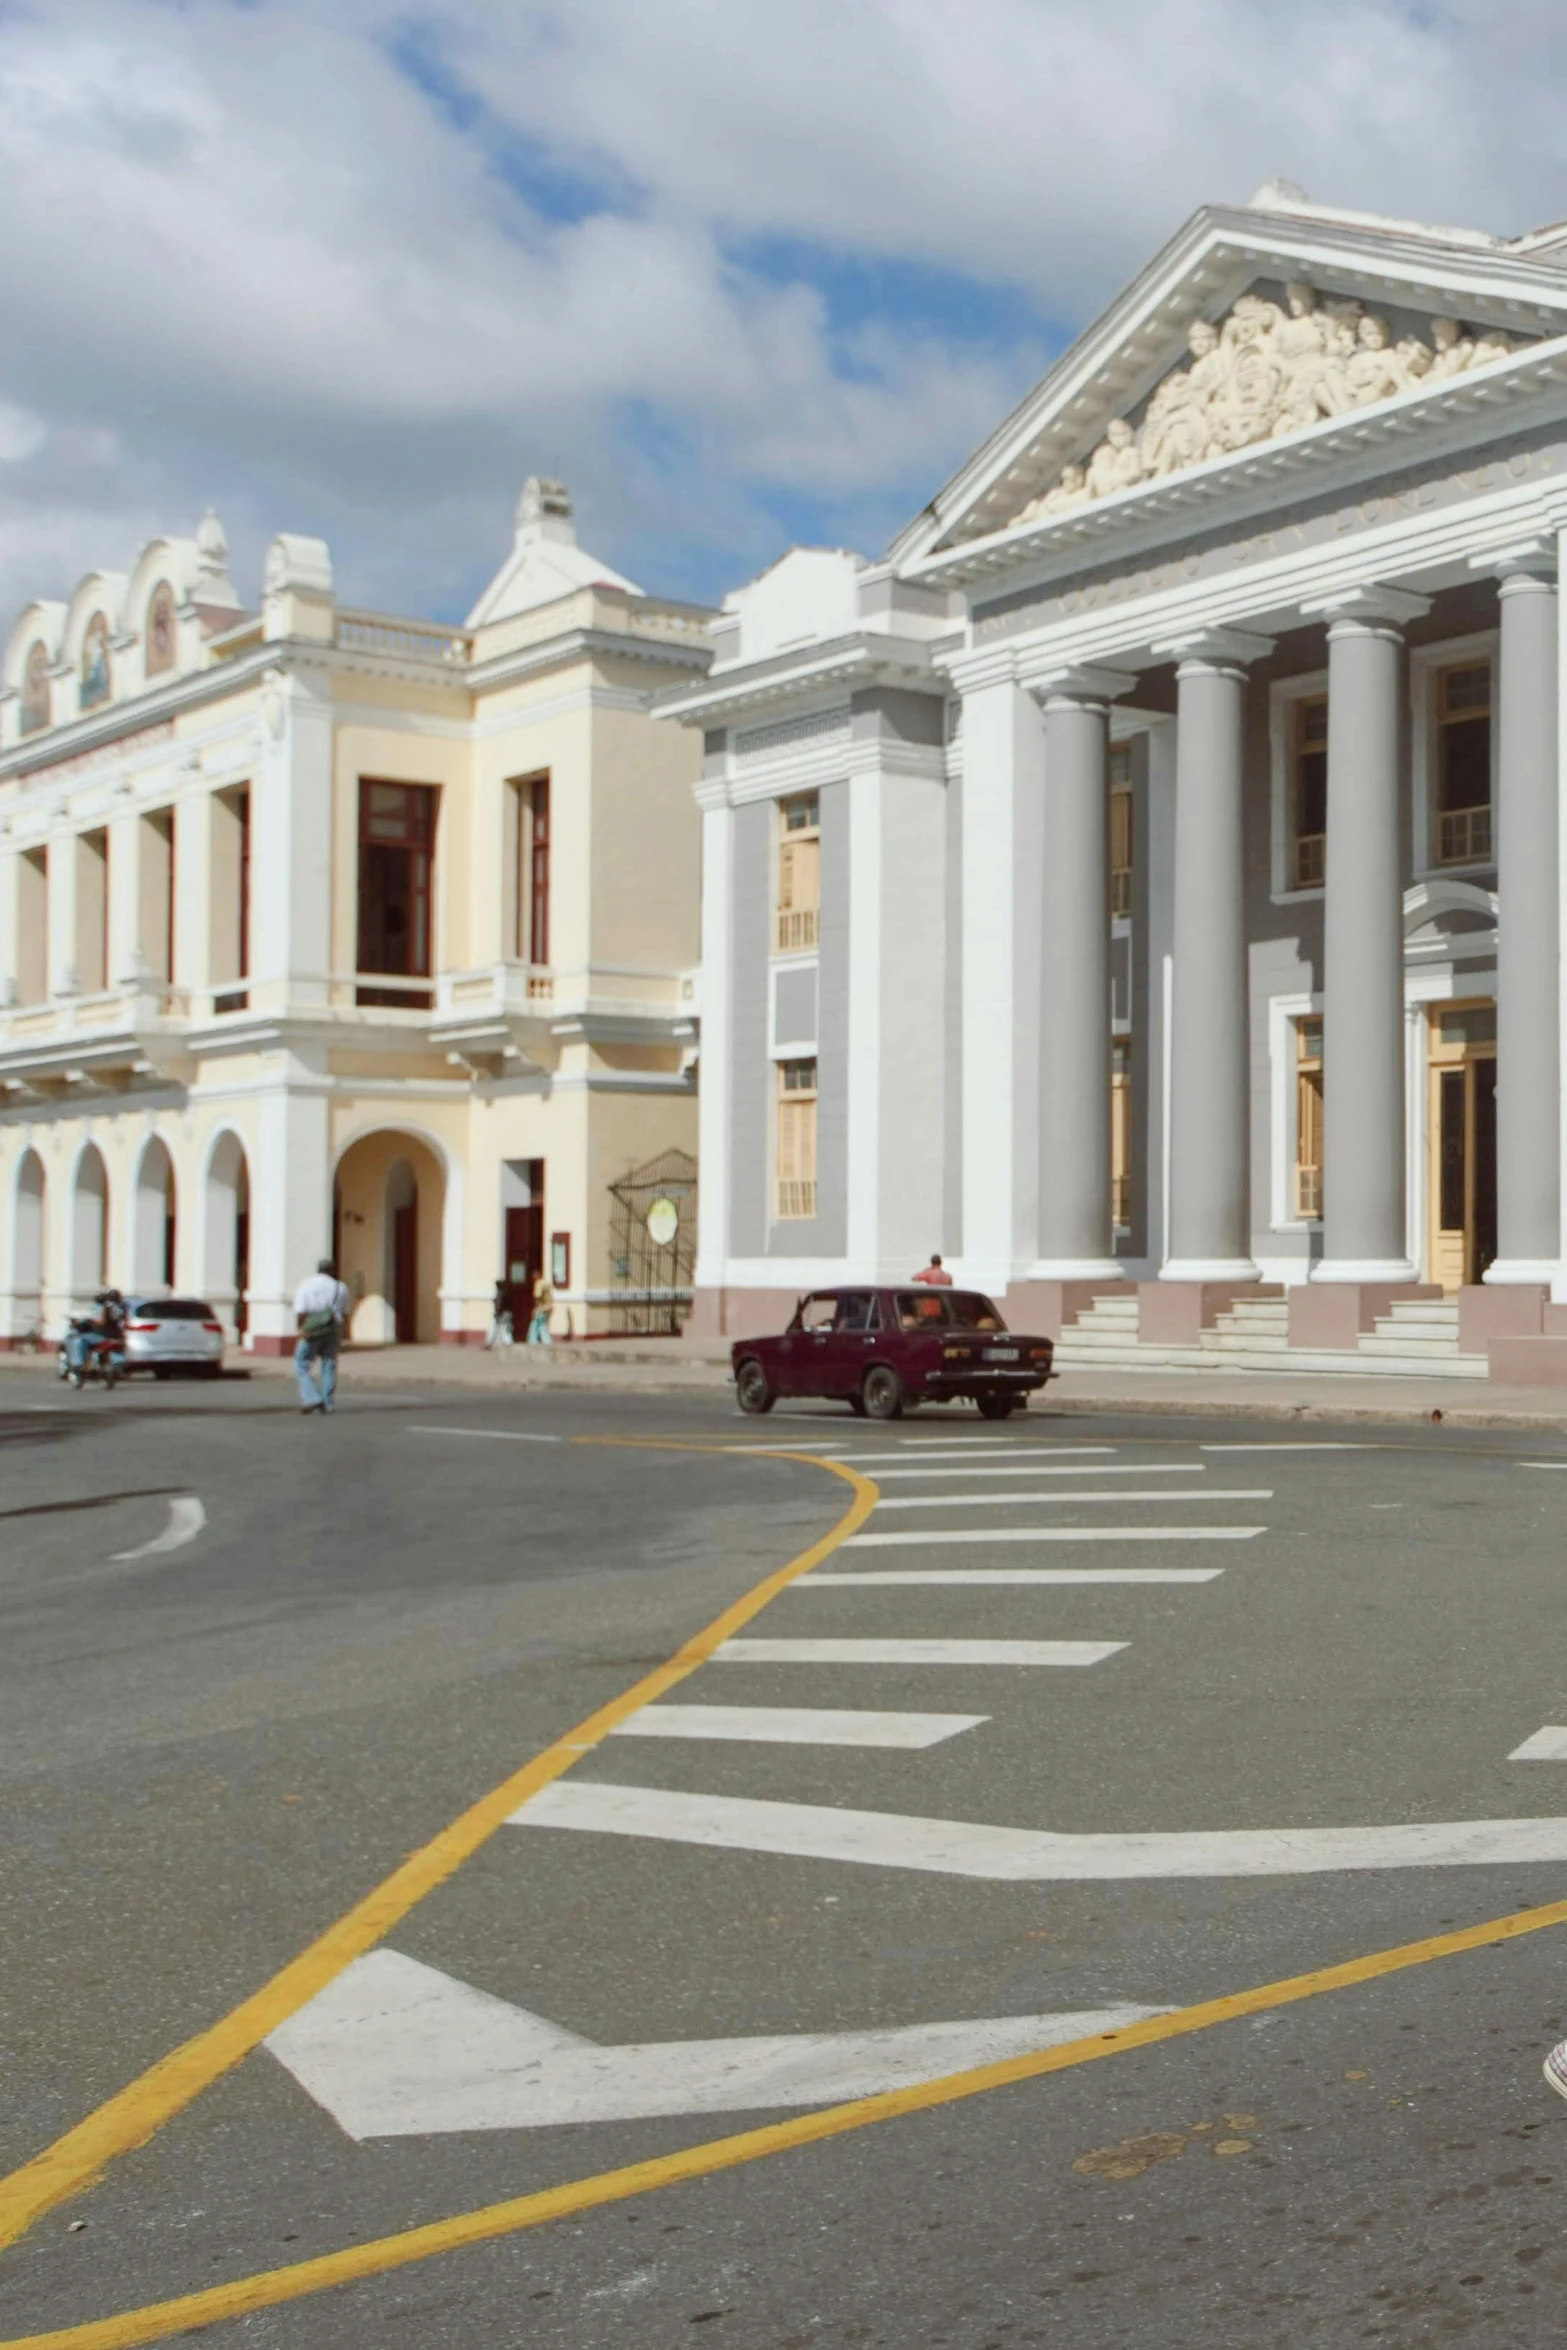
{"points": [[172, 1309]]}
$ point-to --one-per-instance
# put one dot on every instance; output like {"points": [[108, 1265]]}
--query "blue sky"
{"points": [[741, 275]]}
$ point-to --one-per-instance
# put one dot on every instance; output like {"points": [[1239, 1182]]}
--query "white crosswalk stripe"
{"points": [[1087, 1469], [982, 1575], [763, 1651], [1059, 1534], [795, 1725], [1068, 1498]]}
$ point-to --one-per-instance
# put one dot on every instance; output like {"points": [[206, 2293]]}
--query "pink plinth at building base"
{"points": [[1509, 1310], [1044, 1308], [739, 1313], [1529, 1362], [1330, 1316], [1176, 1313]]}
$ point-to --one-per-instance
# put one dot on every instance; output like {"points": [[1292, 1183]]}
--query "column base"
{"points": [[1332, 1316], [1175, 1310], [1207, 1269], [1521, 1272], [1512, 1310], [1076, 1269], [1354, 1270]]}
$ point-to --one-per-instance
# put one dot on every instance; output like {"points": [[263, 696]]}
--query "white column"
{"points": [[713, 1083], [1003, 753], [8, 919], [1528, 948], [291, 815], [63, 976], [1210, 1088], [290, 1195], [897, 854], [1364, 1176], [126, 961], [1075, 1238], [192, 890]]}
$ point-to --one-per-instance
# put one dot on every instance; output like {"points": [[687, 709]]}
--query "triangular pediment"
{"points": [[1254, 326]]}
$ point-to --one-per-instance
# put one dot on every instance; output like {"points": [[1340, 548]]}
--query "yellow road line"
{"points": [[131, 2116], [378, 2258]]}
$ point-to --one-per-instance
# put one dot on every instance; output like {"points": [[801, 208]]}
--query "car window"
{"points": [[971, 1311], [922, 1309], [172, 1309], [818, 1313], [855, 1310]]}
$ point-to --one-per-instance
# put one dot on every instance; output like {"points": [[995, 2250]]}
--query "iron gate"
{"points": [[652, 1245]]}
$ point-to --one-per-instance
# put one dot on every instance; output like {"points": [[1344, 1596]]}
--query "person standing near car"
{"points": [[321, 1305], [935, 1273]]}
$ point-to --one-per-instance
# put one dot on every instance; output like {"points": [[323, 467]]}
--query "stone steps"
{"points": [[1418, 1339]]}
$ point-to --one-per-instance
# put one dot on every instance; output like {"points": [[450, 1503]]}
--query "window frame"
{"points": [[1284, 697], [1286, 1013], [406, 991], [1122, 795], [806, 919], [795, 1096], [1426, 663]]}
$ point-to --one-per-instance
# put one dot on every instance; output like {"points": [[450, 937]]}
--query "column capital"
{"points": [[1215, 648], [1371, 606], [1082, 684], [1531, 562]]}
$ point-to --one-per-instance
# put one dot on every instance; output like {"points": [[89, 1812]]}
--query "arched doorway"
{"points": [[388, 1211], [27, 1247], [225, 1271], [153, 1254], [89, 1227]]}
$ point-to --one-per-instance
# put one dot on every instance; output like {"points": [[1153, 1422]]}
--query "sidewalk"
{"points": [[678, 1365]]}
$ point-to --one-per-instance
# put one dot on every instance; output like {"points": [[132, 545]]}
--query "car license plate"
{"points": [[1001, 1354]]}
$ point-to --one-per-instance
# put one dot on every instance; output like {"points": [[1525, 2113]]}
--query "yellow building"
{"points": [[328, 932]]}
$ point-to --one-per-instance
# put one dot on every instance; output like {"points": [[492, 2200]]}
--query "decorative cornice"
{"points": [[868, 658]]}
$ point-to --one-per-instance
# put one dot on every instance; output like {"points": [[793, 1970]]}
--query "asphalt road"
{"points": [[212, 1751]]}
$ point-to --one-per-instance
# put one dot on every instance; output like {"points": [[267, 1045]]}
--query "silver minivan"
{"points": [[168, 1334]]}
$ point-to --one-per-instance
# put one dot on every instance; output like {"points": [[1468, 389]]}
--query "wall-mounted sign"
{"points": [[663, 1222]]}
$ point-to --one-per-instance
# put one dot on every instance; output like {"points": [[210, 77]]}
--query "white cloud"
{"points": [[248, 256]]}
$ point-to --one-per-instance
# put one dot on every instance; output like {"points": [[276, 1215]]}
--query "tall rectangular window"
{"points": [[155, 893], [796, 1139], [1308, 792], [528, 860], [228, 950], [32, 926], [1121, 1132], [92, 912], [799, 871], [1308, 1117], [396, 876], [1121, 829], [1463, 764]]}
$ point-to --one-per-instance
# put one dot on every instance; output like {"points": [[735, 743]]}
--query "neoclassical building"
{"points": [[325, 930], [1144, 883]]}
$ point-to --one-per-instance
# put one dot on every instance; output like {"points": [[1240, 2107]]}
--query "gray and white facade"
{"points": [[1147, 878]]}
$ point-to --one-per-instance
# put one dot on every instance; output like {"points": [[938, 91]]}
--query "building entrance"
{"points": [[1462, 1130]]}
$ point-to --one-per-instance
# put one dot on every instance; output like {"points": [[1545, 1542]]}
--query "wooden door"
{"points": [[405, 1272], [524, 1261], [1462, 1139]]}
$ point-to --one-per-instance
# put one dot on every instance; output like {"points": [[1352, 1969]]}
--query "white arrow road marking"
{"points": [[186, 1519], [795, 1725], [1060, 1534], [1069, 1498], [973, 1575], [970, 1848], [1547, 1745], [393, 2049], [915, 1652]]}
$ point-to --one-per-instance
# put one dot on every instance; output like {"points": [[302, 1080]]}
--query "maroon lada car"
{"points": [[881, 1350]]}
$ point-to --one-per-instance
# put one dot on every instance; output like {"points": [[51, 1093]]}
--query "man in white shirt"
{"points": [[321, 1312]]}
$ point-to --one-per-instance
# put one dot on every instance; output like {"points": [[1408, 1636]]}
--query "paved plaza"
{"points": [[958, 1867]]}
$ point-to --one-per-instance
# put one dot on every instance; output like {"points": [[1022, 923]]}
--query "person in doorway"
{"points": [[935, 1273], [501, 1332], [539, 1320], [320, 1315]]}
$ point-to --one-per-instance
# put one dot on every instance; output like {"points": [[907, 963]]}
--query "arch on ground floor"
{"points": [[88, 1229], [396, 1232], [29, 1236], [154, 1225], [223, 1270]]}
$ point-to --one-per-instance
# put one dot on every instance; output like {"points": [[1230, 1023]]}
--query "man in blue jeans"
{"points": [[320, 1314]]}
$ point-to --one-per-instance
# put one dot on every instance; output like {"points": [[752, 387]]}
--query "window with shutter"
{"points": [[1308, 1117], [796, 1164], [799, 872]]}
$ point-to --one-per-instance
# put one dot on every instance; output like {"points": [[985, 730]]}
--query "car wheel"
{"points": [[211, 1371], [75, 1379], [752, 1392], [160, 1370], [62, 1364], [995, 1407], [857, 1406], [882, 1393]]}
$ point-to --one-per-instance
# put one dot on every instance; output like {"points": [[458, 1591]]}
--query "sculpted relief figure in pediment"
{"points": [[1261, 373]]}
